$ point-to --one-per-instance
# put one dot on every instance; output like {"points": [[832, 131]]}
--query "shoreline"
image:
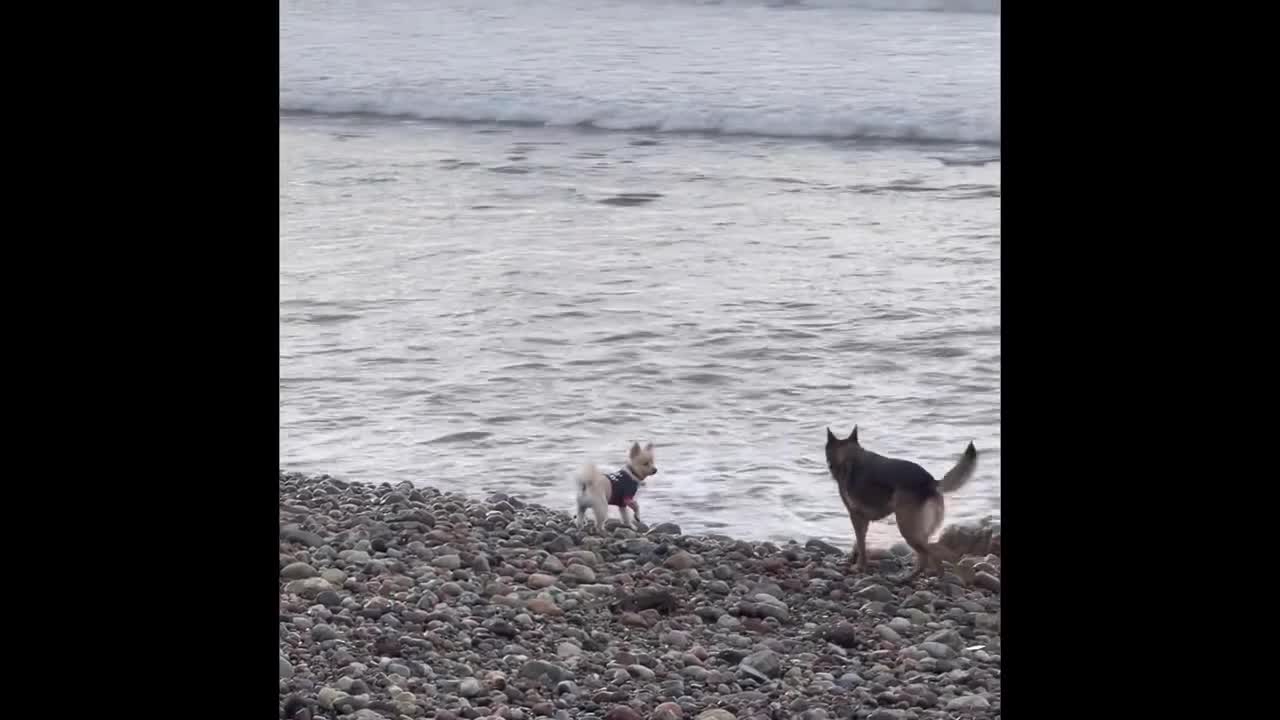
{"points": [[405, 601], [697, 520]]}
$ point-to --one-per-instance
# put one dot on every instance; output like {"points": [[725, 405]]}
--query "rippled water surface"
{"points": [[483, 303]]}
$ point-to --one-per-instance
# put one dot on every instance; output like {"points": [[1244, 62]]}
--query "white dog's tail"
{"points": [[584, 478]]}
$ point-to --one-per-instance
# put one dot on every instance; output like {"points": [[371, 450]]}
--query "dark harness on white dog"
{"points": [[623, 488]]}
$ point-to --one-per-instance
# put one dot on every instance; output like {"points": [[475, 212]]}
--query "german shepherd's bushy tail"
{"points": [[957, 476], [935, 508]]}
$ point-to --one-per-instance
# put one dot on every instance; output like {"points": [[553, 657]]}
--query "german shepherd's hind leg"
{"points": [[921, 549], [922, 563], [917, 521]]}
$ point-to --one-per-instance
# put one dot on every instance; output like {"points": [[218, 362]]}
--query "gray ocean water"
{"points": [[514, 237]]}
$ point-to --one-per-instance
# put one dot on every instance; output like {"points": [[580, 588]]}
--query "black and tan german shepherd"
{"points": [[872, 486]]}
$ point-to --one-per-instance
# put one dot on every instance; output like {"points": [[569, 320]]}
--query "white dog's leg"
{"points": [[585, 482], [600, 506], [626, 517]]}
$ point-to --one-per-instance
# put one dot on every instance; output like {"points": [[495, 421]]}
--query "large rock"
{"points": [[448, 562], [584, 557], [761, 610], [560, 543], [937, 650], [355, 557], [634, 620], [300, 537], [765, 662], [850, 680], [843, 634], [648, 597], [580, 573], [820, 547], [950, 638], [989, 622], [541, 580], [919, 599], [308, 588], [667, 711], [987, 581], [543, 605], [681, 561], [297, 571], [328, 697], [677, 639], [540, 669], [968, 702], [887, 633], [966, 539]]}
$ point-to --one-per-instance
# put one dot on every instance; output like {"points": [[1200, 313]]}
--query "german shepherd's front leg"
{"points": [[859, 554], [860, 526]]}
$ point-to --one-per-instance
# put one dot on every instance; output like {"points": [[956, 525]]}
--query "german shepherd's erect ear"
{"points": [[853, 436], [831, 438]]}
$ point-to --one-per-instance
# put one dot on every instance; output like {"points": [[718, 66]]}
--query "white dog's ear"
{"points": [[649, 447], [635, 449]]}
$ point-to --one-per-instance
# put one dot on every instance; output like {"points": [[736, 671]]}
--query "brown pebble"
{"points": [[622, 712], [680, 561], [667, 711], [634, 620], [543, 606]]}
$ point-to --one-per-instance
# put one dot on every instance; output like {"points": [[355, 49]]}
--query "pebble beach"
{"points": [[402, 601]]}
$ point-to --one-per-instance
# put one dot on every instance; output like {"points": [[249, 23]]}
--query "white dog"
{"points": [[598, 491]]}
